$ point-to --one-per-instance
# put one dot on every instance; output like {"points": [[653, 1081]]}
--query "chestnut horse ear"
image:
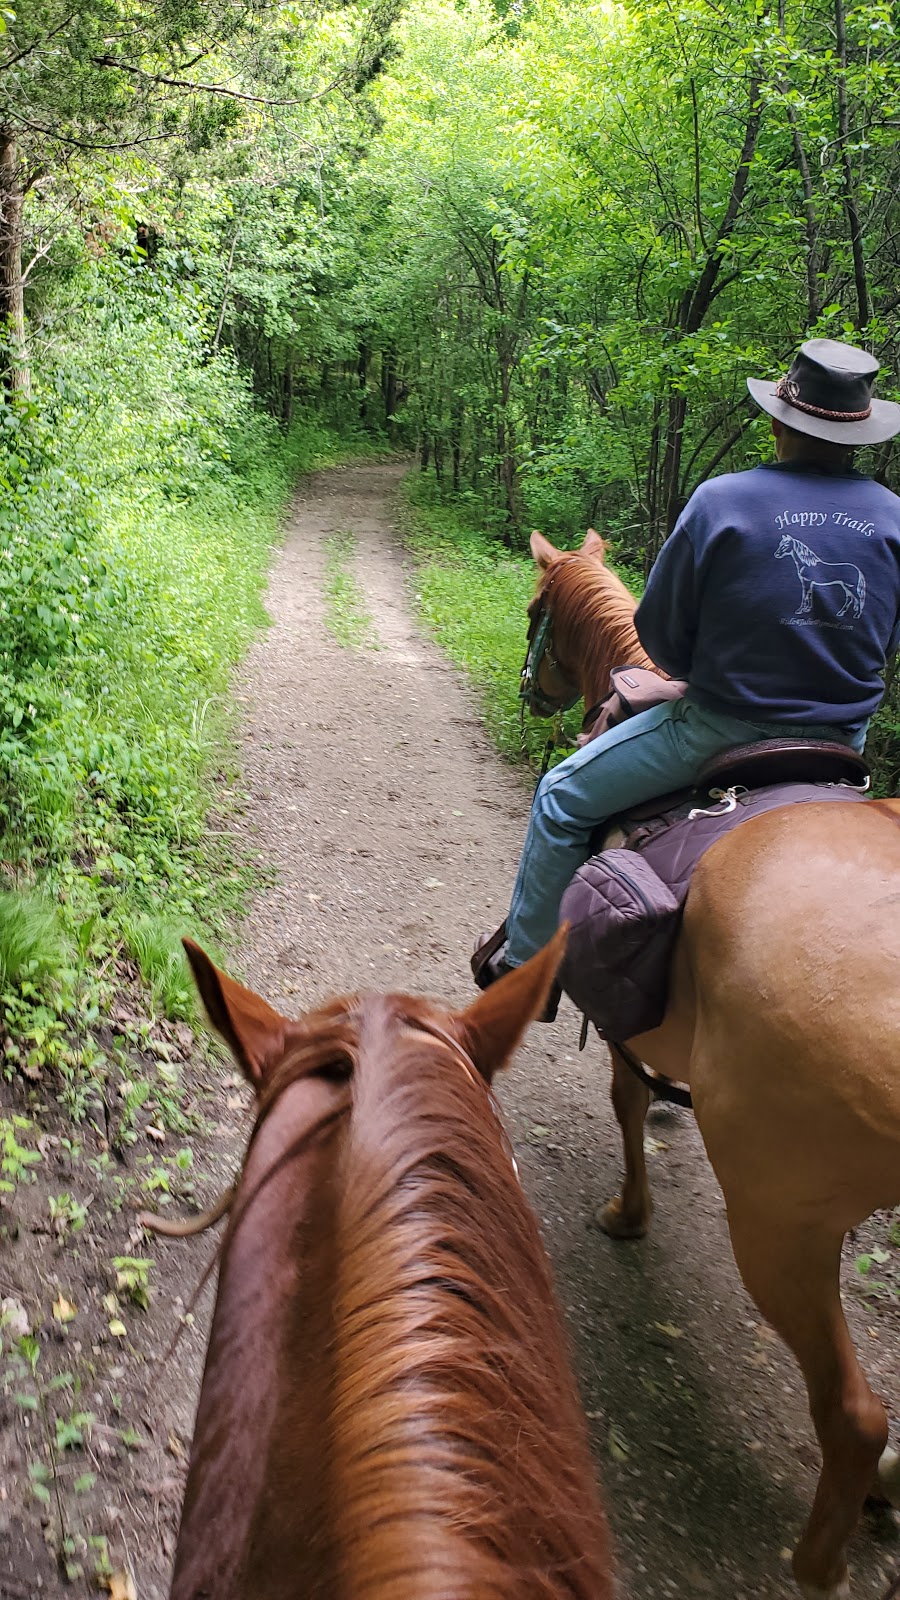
{"points": [[493, 1027], [543, 551], [594, 545], [255, 1034]]}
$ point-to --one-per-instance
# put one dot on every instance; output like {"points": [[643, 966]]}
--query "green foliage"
{"points": [[133, 1278], [474, 598], [15, 1157]]}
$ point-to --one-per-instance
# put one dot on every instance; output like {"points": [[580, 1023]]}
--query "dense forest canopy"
{"points": [[546, 242], [541, 243]]}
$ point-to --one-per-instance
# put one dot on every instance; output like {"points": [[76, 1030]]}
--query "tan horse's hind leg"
{"points": [[792, 1272], [628, 1215]]}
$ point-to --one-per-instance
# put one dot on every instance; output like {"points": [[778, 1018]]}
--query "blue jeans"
{"points": [[661, 750]]}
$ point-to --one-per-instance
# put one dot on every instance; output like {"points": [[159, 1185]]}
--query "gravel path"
{"points": [[395, 829]]}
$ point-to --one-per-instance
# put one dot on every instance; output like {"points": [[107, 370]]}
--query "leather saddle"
{"points": [[766, 764], [771, 764], [755, 766]]}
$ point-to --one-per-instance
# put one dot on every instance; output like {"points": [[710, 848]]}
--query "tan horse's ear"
{"points": [[492, 1027], [593, 545], [543, 551], [255, 1034]]}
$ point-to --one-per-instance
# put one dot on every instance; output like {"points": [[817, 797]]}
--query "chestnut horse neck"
{"points": [[402, 1420], [593, 622]]}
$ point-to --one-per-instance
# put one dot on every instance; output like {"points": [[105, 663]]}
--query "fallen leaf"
{"points": [[175, 1447], [432, 883], [539, 1131], [653, 1146], [618, 1449], [669, 1329], [117, 1328], [14, 1318], [121, 1585], [153, 1132], [235, 1102], [63, 1309]]}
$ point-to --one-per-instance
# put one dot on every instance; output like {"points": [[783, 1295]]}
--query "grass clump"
{"points": [[32, 942], [347, 616], [154, 944]]}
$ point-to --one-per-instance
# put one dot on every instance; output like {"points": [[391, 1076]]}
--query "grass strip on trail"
{"points": [[347, 616]]}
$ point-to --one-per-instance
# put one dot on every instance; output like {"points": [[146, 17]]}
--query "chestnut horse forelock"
{"points": [[452, 1457], [592, 615]]}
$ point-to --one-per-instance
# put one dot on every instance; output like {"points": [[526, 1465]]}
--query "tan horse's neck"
{"points": [[387, 1405], [593, 622]]}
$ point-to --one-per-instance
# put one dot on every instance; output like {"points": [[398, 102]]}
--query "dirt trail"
{"points": [[395, 830]]}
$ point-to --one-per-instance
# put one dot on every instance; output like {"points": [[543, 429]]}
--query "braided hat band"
{"points": [[789, 391], [827, 393]]}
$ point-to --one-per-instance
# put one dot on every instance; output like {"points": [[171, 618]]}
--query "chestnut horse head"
{"points": [[784, 1019], [387, 1408], [580, 626]]}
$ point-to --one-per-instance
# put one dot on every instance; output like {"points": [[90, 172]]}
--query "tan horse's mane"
{"points": [[593, 618], [456, 1459]]}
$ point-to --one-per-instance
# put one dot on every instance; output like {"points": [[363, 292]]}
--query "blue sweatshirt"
{"points": [[777, 596]]}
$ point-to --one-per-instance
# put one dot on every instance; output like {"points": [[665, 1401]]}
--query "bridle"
{"points": [[539, 648]]}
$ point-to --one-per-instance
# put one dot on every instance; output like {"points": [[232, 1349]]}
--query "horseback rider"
{"points": [[776, 597]]}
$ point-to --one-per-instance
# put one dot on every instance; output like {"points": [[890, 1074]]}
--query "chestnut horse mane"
{"points": [[455, 1459], [593, 618]]}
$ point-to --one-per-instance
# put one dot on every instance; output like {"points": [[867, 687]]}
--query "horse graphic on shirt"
{"points": [[814, 573]]}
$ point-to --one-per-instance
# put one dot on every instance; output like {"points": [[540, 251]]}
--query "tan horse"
{"points": [[387, 1410], [784, 1019]]}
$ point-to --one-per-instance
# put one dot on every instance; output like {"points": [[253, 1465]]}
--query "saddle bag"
{"points": [[631, 691], [625, 905], [624, 923]]}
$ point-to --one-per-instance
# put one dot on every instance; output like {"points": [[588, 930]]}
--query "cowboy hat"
{"points": [[828, 393]]}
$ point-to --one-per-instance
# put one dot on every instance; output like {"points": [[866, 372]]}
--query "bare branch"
{"points": [[211, 88], [85, 144], [21, 54]]}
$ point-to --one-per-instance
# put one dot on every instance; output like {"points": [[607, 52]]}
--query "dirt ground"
{"points": [[394, 831]]}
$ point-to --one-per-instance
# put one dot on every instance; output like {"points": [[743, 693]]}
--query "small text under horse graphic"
{"points": [[814, 573]]}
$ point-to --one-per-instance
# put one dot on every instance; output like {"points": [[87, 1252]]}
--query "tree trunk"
{"points": [[696, 302], [851, 211], [16, 371], [287, 393], [389, 383]]}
